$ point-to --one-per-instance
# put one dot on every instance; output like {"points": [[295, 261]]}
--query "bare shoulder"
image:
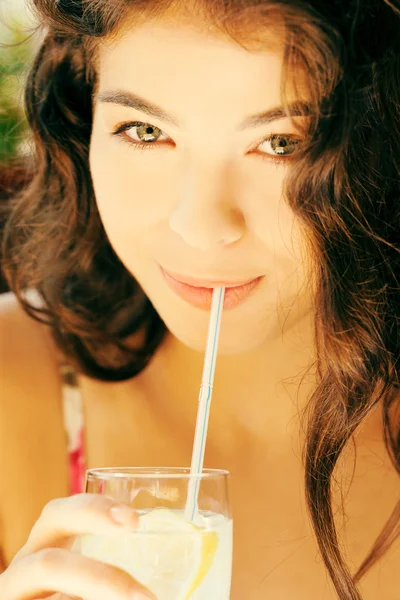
{"points": [[32, 456], [371, 499], [27, 353]]}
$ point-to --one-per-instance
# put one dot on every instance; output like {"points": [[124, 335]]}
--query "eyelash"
{"points": [[121, 129]]}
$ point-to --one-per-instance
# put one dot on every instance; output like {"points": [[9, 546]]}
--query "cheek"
{"points": [[268, 215], [130, 198], [272, 221]]}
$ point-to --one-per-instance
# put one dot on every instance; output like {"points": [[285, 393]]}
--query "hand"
{"points": [[45, 565]]}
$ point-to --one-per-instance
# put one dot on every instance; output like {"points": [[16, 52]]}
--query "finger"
{"points": [[55, 569], [58, 596], [65, 518]]}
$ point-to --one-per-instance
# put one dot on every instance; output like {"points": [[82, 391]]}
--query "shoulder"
{"points": [[29, 363], [31, 425], [371, 489], [25, 345]]}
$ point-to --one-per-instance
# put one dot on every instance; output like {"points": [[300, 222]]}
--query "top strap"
{"points": [[74, 427]]}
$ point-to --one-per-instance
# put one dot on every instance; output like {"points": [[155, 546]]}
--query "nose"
{"points": [[207, 215]]}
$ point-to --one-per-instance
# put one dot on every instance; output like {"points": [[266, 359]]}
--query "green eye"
{"points": [[145, 132], [280, 145]]}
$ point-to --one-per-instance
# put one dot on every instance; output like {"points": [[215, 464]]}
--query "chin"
{"points": [[235, 338], [241, 331], [226, 347]]}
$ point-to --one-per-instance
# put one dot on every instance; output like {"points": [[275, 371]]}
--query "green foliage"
{"points": [[15, 56]]}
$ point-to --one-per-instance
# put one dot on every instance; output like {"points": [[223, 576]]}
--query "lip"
{"points": [[208, 283], [199, 293]]}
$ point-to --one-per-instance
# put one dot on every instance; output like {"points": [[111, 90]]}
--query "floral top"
{"points": [[74, 428]]}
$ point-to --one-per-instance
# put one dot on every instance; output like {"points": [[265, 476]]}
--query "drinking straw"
{"points": [[205, 397]]}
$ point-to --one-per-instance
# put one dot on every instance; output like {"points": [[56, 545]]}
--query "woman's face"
{"points": [[203, 198]]}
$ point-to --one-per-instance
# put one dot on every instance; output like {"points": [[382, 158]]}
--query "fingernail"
{"points": [[123, 515]]}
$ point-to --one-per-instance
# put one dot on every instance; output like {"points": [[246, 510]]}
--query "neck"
{"points": [[258, 394]]}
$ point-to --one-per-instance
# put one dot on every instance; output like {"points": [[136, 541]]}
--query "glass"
{"points": [[175, 559]]}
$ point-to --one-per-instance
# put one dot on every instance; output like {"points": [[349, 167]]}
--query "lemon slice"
{"points": [[167, 554]]}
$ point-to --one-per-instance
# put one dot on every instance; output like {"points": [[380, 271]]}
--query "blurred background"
{"points": [[17, 46]]}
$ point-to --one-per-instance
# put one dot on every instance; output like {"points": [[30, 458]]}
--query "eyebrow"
{"points": [[125, 98]]}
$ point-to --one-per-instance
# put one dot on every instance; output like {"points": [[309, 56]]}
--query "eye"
{"points": [[140, 134], [280, 145], [145, 136]]}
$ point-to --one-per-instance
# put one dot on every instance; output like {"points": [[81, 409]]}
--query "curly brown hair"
{"points": [[344, 188]]}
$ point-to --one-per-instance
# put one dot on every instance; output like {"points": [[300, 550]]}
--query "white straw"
{"points": [[205, 396]]}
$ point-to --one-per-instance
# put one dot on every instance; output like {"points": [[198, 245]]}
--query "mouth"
{"points": [[199, 292]]}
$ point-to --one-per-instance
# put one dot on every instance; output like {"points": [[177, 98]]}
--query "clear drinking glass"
{"points": [[175, 559]]}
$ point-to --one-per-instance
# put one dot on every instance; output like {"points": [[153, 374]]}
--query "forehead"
{"points": [[186, 66], [174, 47]]}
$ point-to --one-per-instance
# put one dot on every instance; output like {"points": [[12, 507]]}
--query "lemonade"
{"points": [[183, 552], [175, 559]]}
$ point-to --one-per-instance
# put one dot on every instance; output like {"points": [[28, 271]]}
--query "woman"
{"points": [[274, 149]]}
